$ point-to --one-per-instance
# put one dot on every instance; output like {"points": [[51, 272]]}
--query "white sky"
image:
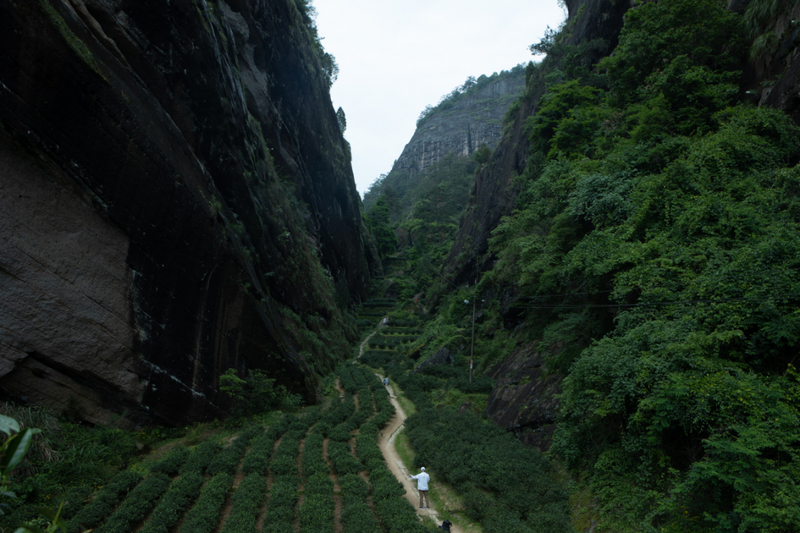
{"points": [[397, 56]]}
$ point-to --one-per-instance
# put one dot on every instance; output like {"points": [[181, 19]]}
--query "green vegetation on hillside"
{"points": [[424, 210], [654, 250]]}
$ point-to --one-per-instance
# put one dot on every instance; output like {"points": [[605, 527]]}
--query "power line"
{"points": [[568, 294], [655, 304]]}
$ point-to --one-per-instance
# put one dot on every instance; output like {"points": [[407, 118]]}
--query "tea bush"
{"points": [[170, 509], [201, 457], [247, 501], [136, 506], [204, 516], [105, 502], [172, 462]]}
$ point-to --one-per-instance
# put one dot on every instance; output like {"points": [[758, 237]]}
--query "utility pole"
{"points": [[472, 348]]}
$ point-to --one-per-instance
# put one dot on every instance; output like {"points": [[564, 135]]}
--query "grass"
{"points": [[407, 405]]}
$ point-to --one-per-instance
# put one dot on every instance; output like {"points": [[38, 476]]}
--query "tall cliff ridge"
{"points": [[473, 120], [176, 199]]}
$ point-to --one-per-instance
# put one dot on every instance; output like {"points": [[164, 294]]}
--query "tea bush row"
{"points": [[172, 506], [341, 413], [357, 517], [247, 502], [317, 510], [105, 502], [391, 341], [509, 488], [403, 323], [228, 459], [392, 330], [379, 358], [396, 514], [342, 460], [371, 313], [281, 503], [172, 462], [257, 461], [136, 506], [366, 323], [313, 461], [346, 380], [201, 457], [204, 516], [284, 461]]}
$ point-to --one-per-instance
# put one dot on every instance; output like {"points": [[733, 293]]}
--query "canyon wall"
{"points": [[176, 199]]}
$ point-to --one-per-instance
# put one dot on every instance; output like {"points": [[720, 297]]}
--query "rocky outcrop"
{"points": [[523, 399], [773, 78], [474, 120], [176, 199]]}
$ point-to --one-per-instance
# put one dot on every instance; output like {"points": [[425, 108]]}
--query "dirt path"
{"points": [[365, 341], [386, 444]]}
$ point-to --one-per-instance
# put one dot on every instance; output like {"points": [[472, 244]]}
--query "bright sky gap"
{"points": [[395, 57]]}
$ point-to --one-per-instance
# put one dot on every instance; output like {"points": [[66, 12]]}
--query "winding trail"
{"points": [[386, 444], [365, 341]]}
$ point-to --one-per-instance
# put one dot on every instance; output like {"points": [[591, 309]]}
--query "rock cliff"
{"points": [[176, 199], [461, 129]]}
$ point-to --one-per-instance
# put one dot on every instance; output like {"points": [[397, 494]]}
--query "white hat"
{"points": [[423, 468]]}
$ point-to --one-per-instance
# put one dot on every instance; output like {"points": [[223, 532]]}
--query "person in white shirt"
{"points": [[422, 486]]}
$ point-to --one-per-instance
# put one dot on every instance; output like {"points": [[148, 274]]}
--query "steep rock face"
{"points": [[473, 121], [773, 78], [523, 399], [175, 199]]}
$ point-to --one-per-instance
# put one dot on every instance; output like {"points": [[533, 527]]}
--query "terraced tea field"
{"points": [[320, 471]]}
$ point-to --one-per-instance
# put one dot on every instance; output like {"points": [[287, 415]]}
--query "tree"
{"points": [[341, 119]]}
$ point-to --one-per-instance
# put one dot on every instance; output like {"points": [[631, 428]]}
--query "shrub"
{"points": [[343, 461], [257, 461], [201, 457], [204, 516], [136, 506], [246, 502], [104, 503], [316, 513], [228, 458], [172, 506], [280, 508], [172, 462]]}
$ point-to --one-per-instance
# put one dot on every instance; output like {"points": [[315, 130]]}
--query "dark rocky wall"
{"points": [[175, 199]]}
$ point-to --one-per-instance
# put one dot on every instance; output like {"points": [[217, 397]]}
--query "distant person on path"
{"points": [[422, 486]]}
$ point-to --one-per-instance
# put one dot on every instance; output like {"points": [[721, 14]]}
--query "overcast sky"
{"points": [[397, 56]]}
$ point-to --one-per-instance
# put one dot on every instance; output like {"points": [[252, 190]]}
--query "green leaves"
{"points": [[15, 448]]}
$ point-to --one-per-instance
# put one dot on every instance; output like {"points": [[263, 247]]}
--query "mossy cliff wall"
{"points": [[175, 199]]}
